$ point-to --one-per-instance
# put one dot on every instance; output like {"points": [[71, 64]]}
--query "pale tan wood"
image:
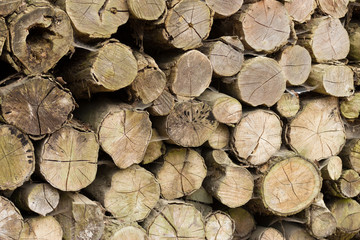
{"points": [[350, 106], [118, 230], [244, 223], [231, 184], [224, 8], [331, 168], [8, 6], [292, 231], [353, 29], [40, 228], [288, 105], [300, 10], [40, 198], [219, 226], [155, 149], [347, 186], [181, 173], [351, 154], [266, 233], [336, 9], [332, 80], [128, 194], [11, 221], [201, 196], [220, 138], [257, 136], [146, 9], [163, 105], [317, 132]]}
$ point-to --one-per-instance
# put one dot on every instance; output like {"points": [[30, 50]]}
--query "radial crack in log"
{"points": [[336, 9], [11, 221], [300, 10], [219, 226]]}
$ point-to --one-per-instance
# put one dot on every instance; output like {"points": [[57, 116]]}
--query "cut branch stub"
{"points": [[11, 221], [257, 136], [189, 124], [36, 105], [336, 9], [300, 10], [261, 81], [146, 9], [68, 158], [39, 37], [224, 8], [16, 157], [39, 228], [219, 226], [9, 6], [290, 186], [317, 132], [263, 31]]}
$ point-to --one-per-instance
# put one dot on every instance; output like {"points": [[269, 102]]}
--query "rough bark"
{"points": [[145, 9], [11, 221], [350, 107], [163, 105], [220, 138], [300, 10], [331, 168], [347, 186], [8, 6], [336, 9], [39, 228], [155, 149], [264, 233], [244, 223], [224, 8], [3, 33], [219, 226], [288, 105]]}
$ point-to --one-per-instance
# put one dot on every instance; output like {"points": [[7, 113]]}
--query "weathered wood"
{"points": [[118, 230], [11, 221], [257, 136], [263, 32], [332, 80], [39, 228], [353, 29], [40, 198], [351, 154], [123, 133], [231, 184], [224, 8], [220, 138], [219, 226], [3, 33], [347, 186], [145, 9], [244, 222], [264, 233], [181, 173], [331, 168], [350, 106], [155, 149], [292, 231], [40, 35], [336, 9], [163, 105], [37, 105], [175, 220], [79, 217], [128, 194], [201, 196], [300, 10], [9, 6], [16, 156], [67, 159], [288, 105], [317, 131]]}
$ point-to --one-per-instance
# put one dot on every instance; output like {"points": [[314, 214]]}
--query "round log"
{"points": [[331, 168], [220, 138], [293, 231], [39, 228], [11, 221], [257, 136], [288, 105], [118, 230], [16, 156], [163, 105], [39, 37], [8, 6], [224, 8], [145, 9], [265, 233], [336, 9], [67, 158], [37, 105], [354, 35], [155, 149], [219, 226], [317, 132], [244, 222], [347, 186], [126, 200], [350, 106], [351, 154], [300, 10]]}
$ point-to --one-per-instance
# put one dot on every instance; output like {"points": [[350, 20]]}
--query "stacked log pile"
{"points": [[179, 119]]}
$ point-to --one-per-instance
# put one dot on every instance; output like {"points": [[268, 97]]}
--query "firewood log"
{"points": [[336, 9], [163, 105], [9, 6], [350, 106], [288, 105], [244, 223], [347, 186], [155, 149], [224, 8], [118, 230], [220, 138], [264, 233], [200, 195], [350, 154], [17, 157], [39, 228], [146, 10], [292, 231], [331, 168], [354, 35], [219, 226], [300, 10], [11, 221], [37, 105]]}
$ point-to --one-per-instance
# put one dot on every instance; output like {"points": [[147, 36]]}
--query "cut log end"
{"points": [[300, 10], [220, 138], [288, 105], [38, 228], [11, 220], [219, 226], [336, 9], [224, 8], [146, 10]]}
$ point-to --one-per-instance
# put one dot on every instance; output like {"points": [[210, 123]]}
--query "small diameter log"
{"points": [[231, 184], [11, 221], [326, 39], [181, 173], [17, 157], [331, 168], [95, 19], [354, 36], [226, 54], [79, 217], [332, 80], [220, 138], [257, 136], [347, 186], [189, 124], [244, 223], [225, 109], [37, 105], [351, 154], [293, 231], [163, 105], [123, 133], [265, 233], [201, 196], [145, 9], [189, 74], [263, 32], [223, 8], [300, 10], [109, 68], [288, 105], [40, 198], [290, 185], [350, 106], [39, 228], [296, 64], [336, 9], [67, 158], [8, 6], [317, 132], [39, 37], [261, 81], [129, 194], [175, 220], [155, 149], [3, 33], [118, 230], [219, 226], [150, 81]]}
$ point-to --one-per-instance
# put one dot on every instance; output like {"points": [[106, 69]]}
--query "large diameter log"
{"points": [[231, 184], [39, 37], [288, 105], [326, 39], [39, 228], [16, 156], [127, 194], [163, 105], [350, 106], [224, 8], [181, 173], [219, 226], [175, 220], [109, 68], [347, 186], [8, 6], [263, 31], [354, 36], [155, 149], [3, 33], [336, 9], [146, 10], [118, 230], [332, 80], [79, 217], [261, 81], [220, 138], [264, 233], [300, 10], [257, 136], [40, 198], [11, 221], [189, 124], [67, 158], [317, 132], [244, 222], [37, 105], [123, 133]]}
